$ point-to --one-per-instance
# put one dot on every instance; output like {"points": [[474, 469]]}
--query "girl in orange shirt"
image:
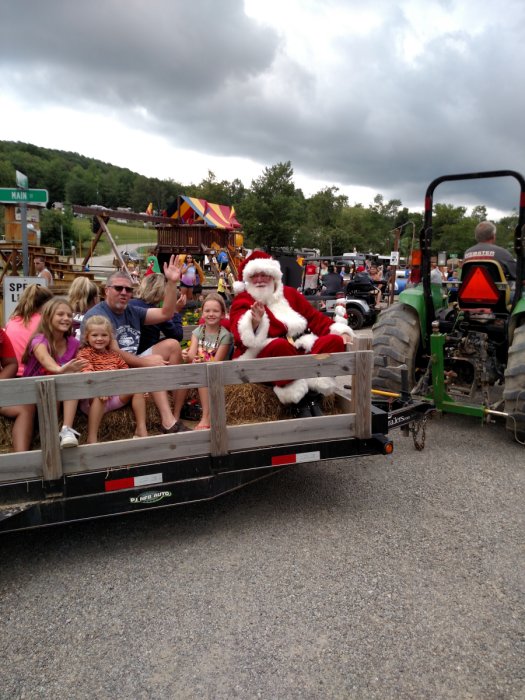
{"points": [[97, 353]]}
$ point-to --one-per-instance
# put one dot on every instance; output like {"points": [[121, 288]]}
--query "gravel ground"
{"points": [[383, 577]]}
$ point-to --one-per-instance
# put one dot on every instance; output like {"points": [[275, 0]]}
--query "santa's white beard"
{"points": [[264, 294]]}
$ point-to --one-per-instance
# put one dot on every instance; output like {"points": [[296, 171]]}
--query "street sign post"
{"points": [[22, 180], [12, 195]]}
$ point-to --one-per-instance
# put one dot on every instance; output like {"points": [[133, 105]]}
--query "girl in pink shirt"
{"points": [[24, 320]]}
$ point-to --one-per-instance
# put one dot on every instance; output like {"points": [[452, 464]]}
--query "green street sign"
{"points": [[15, 196]]}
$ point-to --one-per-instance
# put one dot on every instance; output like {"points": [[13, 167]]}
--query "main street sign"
{"points": [[15, 196]]}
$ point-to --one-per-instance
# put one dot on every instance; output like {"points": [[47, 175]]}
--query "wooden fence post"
{"points": [[48, 428], [219, 435]]}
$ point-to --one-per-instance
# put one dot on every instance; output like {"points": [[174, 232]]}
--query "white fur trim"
{"points": [[292, 392], [249, 338], [306, 342], [266, 265], [294, 322], [324, 385], [341, 329], [238, 287]]}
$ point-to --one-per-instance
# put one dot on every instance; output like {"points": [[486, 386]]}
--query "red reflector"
{"points": [[478, 287], [283, 459], [117, 484], [415, 275]]}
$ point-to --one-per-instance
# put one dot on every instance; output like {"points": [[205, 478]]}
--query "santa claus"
{"points": [[271, 320]]}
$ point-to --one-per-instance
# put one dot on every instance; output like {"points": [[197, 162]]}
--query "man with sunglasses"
{"points": [[127, 320]]}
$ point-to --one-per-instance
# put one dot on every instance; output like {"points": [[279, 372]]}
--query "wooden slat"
{"points": [[48, 427], [106, 455], [218, 436], [21, 466], [90, 384], [217, 441], [362, 381], [255, 435]]}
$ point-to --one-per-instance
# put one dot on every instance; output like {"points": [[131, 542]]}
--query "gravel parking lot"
{"points": [[382, 577]]}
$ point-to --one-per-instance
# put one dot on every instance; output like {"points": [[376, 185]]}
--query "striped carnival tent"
{"points": [[193, 211]]}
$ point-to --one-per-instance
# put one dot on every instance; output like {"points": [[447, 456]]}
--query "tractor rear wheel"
{"points": [[396, 339], [514, 392]]}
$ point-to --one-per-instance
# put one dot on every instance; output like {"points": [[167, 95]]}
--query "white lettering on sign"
{"points": [[13, 288]]}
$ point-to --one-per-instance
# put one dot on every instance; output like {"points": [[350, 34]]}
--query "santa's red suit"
{"points": [[290, 326]]}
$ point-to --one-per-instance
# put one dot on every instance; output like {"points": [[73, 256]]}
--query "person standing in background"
{"points": [[42, 271]]}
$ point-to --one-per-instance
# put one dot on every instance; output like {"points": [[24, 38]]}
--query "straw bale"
{"points": [[252, 403]]}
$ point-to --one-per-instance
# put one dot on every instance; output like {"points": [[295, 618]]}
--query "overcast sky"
{"points": [[371, 97]]}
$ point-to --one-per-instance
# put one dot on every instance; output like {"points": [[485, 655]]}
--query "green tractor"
{"points": [[468, 356]]}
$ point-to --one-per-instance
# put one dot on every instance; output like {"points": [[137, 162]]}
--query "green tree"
{"points": [[56, 178], [56, 226], [81, 187], [323, 215], [273, 210], [479, 213]]}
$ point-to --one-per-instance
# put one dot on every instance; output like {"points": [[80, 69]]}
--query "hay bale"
{"points": [[115, 425], [252, 403], [258, 403]]}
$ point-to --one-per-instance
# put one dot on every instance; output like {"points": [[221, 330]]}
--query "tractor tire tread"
{"points": [[514, 391], [396, 339]]}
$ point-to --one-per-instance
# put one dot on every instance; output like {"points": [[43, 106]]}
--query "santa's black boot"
{"points": [[315, 402], [302, 408]]}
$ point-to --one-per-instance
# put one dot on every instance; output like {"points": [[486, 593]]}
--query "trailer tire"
{"points": [[396, 339], [514, 392]]}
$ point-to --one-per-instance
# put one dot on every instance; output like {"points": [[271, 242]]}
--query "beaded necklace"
{"points": [[208, 353]]}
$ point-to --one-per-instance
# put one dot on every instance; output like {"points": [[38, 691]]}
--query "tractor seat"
{"points": [[484, 286]]}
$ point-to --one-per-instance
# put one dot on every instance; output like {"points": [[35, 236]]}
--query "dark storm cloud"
{"points": [[206, 76]]}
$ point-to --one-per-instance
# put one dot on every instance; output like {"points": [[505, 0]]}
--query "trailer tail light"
{"points": [[388, 448], [478, 288]]}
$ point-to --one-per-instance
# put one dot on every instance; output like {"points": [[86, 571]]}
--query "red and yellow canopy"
{"points": [[191, 210]]}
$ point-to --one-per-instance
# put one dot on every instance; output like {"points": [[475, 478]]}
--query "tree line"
{"points": [[274, 213]]}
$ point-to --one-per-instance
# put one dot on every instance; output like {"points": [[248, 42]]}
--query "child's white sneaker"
{"points": [[68, 437]]}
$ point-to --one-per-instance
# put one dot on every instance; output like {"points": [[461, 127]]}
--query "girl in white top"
{"points": [[210, 342]]}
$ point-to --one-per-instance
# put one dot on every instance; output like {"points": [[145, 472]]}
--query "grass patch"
{"points": [[129, 235]]}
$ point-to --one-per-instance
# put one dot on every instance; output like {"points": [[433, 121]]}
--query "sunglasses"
{"points": [[121, 287]]}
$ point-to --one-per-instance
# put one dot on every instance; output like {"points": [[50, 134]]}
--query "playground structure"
{"points": [[194, 226]]}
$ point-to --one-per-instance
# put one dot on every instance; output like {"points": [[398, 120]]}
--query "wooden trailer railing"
{"points": [[50, 463]]}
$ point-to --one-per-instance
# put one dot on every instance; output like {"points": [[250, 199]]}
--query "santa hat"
{"points": [[258, 261]]}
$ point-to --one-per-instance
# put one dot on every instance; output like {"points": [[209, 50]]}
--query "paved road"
{"points": [[382, 577]]}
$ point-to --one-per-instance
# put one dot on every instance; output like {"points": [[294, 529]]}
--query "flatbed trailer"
{"points": [[50, 486]]}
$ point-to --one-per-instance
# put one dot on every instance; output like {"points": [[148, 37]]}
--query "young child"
{"points": [[24, 320], [98, 356], [210, 342], [52, 350], [221, 285], [24, 414]]}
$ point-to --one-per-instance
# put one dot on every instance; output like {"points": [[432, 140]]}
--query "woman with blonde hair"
{"points": [[24, 320], [192, 277], [149, 295], [83, 294]]}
